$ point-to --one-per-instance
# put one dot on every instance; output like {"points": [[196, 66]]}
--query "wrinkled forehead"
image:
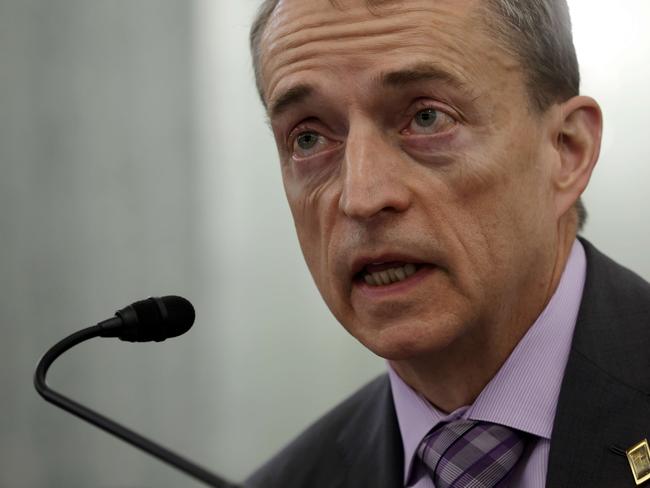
{"points": [[305, 37]]}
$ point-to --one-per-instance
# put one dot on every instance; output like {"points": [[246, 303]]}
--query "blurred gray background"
{"points": [[135, 161]]}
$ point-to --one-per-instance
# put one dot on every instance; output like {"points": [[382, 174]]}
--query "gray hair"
{"points": [[535, 32]]}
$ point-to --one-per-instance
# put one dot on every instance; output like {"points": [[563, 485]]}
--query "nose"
{"points": [[373, 176]]}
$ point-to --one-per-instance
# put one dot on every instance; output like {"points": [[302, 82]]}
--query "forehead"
{"points": [[307, 39]]}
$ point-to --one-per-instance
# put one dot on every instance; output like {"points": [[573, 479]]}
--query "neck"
{"points": [[454, 377]]}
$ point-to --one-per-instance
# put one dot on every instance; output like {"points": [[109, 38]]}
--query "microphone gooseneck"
{"points": [[153, 319]]}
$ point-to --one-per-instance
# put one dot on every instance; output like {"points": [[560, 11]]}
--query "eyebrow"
{"points": [[420, 72], [391, 79], [293, 96]]}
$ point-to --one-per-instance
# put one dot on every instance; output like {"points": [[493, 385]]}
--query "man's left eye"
{"points": [[430, 121]]}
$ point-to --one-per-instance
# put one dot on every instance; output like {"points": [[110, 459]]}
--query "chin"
{"points": [[401, 342]]}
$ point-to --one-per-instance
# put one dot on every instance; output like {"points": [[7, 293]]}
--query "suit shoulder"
{"points": [[316, 454], [613, 327], [613, 287]]}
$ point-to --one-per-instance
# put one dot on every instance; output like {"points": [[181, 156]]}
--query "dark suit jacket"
{"points": [[603, 408]]}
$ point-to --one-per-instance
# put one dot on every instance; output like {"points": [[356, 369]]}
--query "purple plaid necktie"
{"points": [[467, 453]]}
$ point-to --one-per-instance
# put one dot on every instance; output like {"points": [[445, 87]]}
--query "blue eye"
{"points": [[307, 140], [430, 121], [426, 118]]}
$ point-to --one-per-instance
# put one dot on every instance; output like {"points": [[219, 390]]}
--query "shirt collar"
{"points": [[524, 392]]}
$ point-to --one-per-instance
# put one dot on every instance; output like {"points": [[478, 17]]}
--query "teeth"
{"points": [[400, 273], [409, 269], [388, 276], [385, 277]]}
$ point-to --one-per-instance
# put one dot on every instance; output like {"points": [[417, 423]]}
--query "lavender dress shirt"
{"points": [[522, 395]]}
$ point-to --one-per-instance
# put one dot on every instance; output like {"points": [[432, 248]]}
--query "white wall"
{"points": [[613, 45], [96, 210]]}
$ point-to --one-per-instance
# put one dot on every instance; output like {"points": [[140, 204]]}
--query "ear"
{"points": [[579, 133]]}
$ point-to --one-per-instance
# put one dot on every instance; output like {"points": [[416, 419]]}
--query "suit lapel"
{"points": [[604, 407], [597, 416], [371, 445]]}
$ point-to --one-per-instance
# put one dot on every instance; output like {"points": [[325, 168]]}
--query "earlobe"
{"points": [[578, 143]]}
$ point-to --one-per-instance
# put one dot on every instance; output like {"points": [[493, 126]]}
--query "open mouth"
{"points": [[383, 274]]}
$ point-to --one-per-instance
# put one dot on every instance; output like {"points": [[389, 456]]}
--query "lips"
{"points": [[386, 269], [394, 273]]}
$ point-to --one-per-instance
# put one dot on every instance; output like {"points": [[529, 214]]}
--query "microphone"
{"points": [[153, 319]]}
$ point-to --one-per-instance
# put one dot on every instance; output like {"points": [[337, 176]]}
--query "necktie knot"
{"points": [[468, 453]]}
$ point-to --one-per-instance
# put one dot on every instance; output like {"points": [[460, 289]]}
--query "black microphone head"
{"points": [[155, 319]]}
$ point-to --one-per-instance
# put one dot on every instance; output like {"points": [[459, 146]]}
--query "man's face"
{"points": [[415, 169]]}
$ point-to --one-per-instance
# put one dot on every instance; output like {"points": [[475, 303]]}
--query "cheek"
{"points": [[308, 231], [313, 211], [480, 207], [468, 201], [499, 203], [503, 179]]}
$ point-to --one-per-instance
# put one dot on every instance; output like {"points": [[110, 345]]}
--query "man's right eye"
{"points": [[308, 143], [307, 140]]}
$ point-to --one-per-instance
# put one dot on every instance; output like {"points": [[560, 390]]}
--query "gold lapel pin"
{"points": [[639, 458]]}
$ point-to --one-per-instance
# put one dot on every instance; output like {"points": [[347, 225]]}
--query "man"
{"points": [[433, 154]]}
